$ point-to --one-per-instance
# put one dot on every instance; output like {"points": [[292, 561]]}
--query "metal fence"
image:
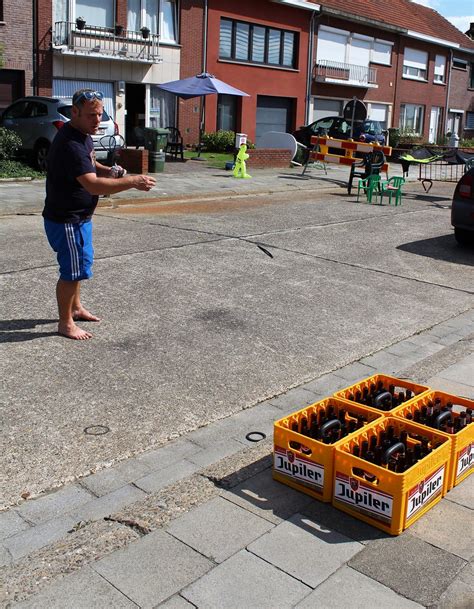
{"points": [[115, 43], [326, 69]]}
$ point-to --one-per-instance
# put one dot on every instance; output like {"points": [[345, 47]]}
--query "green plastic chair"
{"points": [[370, 186], [393, 189]]}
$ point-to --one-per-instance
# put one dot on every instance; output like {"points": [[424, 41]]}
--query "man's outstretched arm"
{"points": [[96, 185]]}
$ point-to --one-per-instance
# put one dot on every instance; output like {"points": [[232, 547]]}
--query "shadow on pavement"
{"points": [[440, 248], [12, 330], [253, 488]]}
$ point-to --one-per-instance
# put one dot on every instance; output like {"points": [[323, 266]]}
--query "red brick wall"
{"points": [[257, 80], [262, 158], [427, 93], [191, 40], [16, 37], [45, 54], [460, 97]]}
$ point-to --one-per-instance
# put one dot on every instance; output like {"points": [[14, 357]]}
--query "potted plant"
{"points": [[145, 32], [119, 29], [80, 23]]}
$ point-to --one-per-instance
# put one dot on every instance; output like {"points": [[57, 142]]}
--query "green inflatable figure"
{"points": [[240, 170]]}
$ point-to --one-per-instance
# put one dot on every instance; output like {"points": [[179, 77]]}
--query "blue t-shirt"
{"points": [[71, 155]]}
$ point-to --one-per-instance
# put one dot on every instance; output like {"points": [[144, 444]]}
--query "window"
{"points": [[16, 111], [415, 64], [471, 77], [382, 53], [1, 10], [459, 64], [379, 112], [440, 68], [227, 112], [342, 46], [100, 13], [257, 44], [159, 16], [36, 109], [469, 120], [411, 118]]}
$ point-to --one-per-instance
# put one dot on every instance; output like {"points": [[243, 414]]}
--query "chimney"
{"points": [[470, 31]]}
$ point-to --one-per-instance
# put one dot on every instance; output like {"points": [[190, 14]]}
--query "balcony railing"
{"points": [[109, 43], [347, 73]]}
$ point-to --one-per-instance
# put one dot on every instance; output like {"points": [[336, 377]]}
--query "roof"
{"points": [[403, 14]]}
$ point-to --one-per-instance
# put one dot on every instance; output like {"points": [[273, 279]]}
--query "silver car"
{"points": [[462, 209], [36, 121]]}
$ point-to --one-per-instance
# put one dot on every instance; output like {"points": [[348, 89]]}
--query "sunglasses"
{"points": [[89, 96]]}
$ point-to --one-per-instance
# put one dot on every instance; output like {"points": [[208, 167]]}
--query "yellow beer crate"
{"points": [[387, 500], [400, 385], [462, 440], [305, 463]]}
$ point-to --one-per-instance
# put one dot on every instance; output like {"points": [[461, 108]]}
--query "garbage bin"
{"points": [[156, 161], [156, 139]]}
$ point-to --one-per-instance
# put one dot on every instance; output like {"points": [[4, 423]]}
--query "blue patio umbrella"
{"points": [[200, 85]]}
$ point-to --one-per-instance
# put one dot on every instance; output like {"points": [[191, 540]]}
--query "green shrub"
{"points": [[393, 137], [219, 141], [15, 169], [467, 143], [10, 143]]}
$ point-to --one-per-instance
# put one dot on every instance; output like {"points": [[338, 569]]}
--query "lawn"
{"points": [[212, 159]]}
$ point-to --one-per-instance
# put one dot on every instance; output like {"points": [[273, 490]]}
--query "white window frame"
{"points": [[379, 60], [419, 117], [440, 69], [142, 20], [75, 14], [415, 68]]}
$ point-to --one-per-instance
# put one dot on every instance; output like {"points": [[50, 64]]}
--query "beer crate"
{"points": [[387, 500], [350, 392], [304, 463], [462, 442]]}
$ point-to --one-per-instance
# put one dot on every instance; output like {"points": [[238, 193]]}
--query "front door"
{"points": [[434, 124], [135, 117]]}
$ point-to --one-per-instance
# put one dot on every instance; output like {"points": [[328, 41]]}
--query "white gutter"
{"points": [[309, 6], [440, 41]]}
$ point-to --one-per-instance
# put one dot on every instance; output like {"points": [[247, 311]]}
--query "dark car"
{"points": [[36, 121], [462, 210], [339, 128]]}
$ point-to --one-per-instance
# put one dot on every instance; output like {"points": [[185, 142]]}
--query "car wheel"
{"points": [[464, 237], [41, 154]]}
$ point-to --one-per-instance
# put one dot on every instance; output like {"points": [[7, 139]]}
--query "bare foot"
{"points": [[73, 331], [84, 315]]}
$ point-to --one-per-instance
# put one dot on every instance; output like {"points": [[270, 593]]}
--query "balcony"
{"points": [[105, 43], [345, 74]]}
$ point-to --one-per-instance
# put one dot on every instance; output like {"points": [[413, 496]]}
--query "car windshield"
{"points": [[372, 127], [66, 112]]}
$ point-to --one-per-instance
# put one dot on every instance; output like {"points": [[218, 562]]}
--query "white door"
{"points": [[434, 124]]}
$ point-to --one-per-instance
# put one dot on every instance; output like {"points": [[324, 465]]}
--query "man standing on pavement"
{"points": [[73, 184]]}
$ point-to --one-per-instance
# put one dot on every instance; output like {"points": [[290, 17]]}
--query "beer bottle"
{"points": [[450, 425], [404, 437], [378, 452], [356, 453], [468, 416], [391, 389], [392, 464], [370, 457], [364, 447], [373, 443], [462, 420], [321, 416], [352, 425], [293, 444], [418, 452], [408, 394], [304, 431], [358, 397]]}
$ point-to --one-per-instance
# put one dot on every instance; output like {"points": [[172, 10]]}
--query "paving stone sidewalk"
{"points": [[247, 541]]}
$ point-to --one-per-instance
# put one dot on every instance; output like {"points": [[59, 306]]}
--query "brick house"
{"points": [[16, 40], [404, 62], [122, 47]]}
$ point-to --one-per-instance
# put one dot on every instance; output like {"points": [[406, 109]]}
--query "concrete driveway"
{"points": [[199, 324]]}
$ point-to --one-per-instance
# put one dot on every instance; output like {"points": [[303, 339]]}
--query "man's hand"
{"points": [[142, 182]]}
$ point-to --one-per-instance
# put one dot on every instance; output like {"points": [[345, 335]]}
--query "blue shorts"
{"points": [[73, 246]]}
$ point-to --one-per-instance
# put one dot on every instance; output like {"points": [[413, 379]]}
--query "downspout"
{"points": [[309, 78], [448, 91], [35, 47], [204, 38]]}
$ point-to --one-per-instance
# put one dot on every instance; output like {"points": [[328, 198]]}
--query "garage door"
{"points": [[273, 114], [326, 107], [66, 89]]}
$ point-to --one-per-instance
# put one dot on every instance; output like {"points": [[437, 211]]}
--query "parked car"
{"points": [[340, 128], [36, 121], [462, 209]]}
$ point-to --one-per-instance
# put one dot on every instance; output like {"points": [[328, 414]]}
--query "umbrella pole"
{"points": [[201, 130]]}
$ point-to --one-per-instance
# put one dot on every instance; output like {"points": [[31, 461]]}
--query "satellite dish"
{"points": [[355, 110]]}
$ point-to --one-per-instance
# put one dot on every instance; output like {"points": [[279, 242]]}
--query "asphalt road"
{"points": [[199, 323]]}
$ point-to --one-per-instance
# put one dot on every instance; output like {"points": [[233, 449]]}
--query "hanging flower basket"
{"points": [[145, 32], [80, 23]]}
